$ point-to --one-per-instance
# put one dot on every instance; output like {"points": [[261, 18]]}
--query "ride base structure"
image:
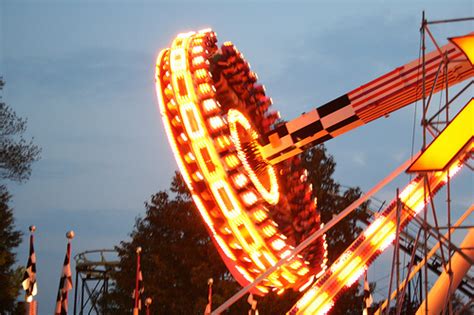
{"points": [[242, 165]]}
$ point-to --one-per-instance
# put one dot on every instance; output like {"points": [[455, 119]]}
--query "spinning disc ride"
{"points": [[241, 164]]}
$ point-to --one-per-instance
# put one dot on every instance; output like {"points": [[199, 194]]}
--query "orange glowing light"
{"points": [[221, 182], [466, 45], [457, 135], [271, 195]]}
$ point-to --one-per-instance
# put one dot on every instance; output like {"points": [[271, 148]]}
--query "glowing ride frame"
{"points": [[188, 87], [246, 237]]}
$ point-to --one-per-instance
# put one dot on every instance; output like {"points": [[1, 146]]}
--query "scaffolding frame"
{"points": [[94, 270]]}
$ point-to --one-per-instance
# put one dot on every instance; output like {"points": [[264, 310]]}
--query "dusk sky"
{"points": [[83, 75]]}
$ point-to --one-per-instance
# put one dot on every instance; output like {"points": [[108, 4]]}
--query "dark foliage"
{"points": [[16, 153], [178, 256], [9, 240]]}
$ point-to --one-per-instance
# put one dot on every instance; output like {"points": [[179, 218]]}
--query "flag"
{"points": [[253, 305], [65, 283], [139, 287], [29, 277], [367, 296], [208, 309]]}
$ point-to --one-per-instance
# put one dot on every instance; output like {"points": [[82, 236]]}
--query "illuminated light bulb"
{"points": [[278, 244], [269, 230], [308, 297], [271, 260], [198, 61], [236, 246], [320, 305], [197, 50], [262, 289], [227, 230], [338, 264], [381, 233], [245, 274], [288, 276], [171, 105], [216, 122], [374, 226], [260, 215], [249, 198], [306, 284], [285, 254], [197, 176], [256, 259], [183, 138], [232, 161], [351, 271], [204, 89], [246, 259], [280, 292], [303, 271], [223, 142], [176, 121], [407, 191], [210, 106], [240, 180], [224, 247], [190, 158], [296, 264], [201, 74]]}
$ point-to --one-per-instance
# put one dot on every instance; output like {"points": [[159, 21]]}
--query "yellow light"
{"points": [[216, 123], [272, 194], [441, 152], [185, 72], [260, 215], [232, 160], [278, 244], [303, 271], [249, 198], [240, 180], [210, 106], [269, 230], [466, 45], [320, 306]]}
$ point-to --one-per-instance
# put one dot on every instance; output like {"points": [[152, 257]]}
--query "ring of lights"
{"points": [[205, 96]]}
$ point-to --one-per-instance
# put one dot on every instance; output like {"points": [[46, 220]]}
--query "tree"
{"points": [[9, 240], [331, 201], [16, 157], [178, 256], [177, 259], [16, 153]]}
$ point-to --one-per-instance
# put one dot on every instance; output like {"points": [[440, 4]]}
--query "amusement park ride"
{"points": [[241, 164]]}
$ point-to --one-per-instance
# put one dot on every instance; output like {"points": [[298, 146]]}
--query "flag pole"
{"points": [[65, 283], [137, 294], [148, 301], [29, 278], [208, 309]]}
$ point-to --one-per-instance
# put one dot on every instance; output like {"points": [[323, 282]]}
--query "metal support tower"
{"points": [[427, 225], [93, 273]]}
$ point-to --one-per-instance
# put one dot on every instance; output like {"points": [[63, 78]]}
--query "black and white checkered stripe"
{"points": [[29, 276], [65, 284], [312, 128], [367, 296]]}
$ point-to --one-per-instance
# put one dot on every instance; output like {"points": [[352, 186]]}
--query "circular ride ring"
{"points": [[215, 115]]}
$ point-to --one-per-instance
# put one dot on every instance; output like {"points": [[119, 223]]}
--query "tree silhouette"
{"points": [[16, 153], [16, 157], [9, 240], [178, 256]]}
